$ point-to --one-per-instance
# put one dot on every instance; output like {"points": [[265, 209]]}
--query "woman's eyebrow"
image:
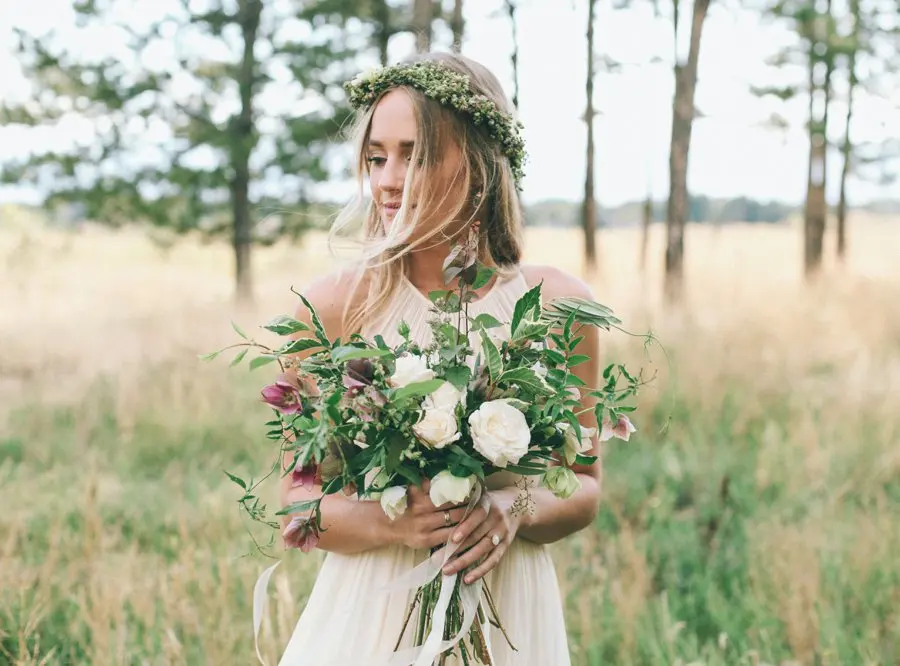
{"points": [[375, 143]]}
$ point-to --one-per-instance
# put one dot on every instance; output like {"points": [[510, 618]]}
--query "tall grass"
{"points": [[752, 519]]}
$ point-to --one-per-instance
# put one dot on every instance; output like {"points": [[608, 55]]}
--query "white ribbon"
{"points": [[260, 602]]}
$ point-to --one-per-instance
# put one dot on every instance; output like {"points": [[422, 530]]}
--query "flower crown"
{"points": [[448, 88]]}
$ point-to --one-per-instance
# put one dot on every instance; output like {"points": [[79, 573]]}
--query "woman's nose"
{"points": [[393, 175]]}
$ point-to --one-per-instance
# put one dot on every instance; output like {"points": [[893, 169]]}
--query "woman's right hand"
{"points": [[423, 525]]}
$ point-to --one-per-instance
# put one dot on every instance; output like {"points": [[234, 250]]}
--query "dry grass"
{"points": [[759, 527]]}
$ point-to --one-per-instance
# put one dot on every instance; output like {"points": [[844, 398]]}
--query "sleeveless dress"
{"points": [[349, 620]]}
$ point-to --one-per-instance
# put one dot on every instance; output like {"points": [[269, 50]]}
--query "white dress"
{"points": [[348, 620]]}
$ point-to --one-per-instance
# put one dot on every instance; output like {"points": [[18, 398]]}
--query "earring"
{"points": [[477, 196]]}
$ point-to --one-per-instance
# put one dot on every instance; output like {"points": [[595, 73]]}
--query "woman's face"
{"points": [[392, 137]]}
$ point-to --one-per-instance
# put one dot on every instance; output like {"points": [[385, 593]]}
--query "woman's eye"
{"points": [[377, 161]]}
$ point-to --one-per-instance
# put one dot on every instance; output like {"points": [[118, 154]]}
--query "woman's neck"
{"points": [[426, 267]]}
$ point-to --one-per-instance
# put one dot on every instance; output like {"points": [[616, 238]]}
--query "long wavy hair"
{"points": [[443, 210]]}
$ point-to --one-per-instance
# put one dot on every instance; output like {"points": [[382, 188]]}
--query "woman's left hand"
{"points": [[476, 533]]}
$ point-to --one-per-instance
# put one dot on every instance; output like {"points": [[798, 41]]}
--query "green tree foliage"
{"points": [[194, 118]]}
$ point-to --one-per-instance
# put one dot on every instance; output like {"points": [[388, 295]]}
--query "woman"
{"points": [[433, 172]]}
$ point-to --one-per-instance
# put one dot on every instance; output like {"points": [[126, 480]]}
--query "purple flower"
{"points": [[301, 533], [283, 395], [360, 373], [304, 476]]}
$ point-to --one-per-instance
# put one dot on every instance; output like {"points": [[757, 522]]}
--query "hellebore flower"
{"points": [[283, 395], [301, 533]]}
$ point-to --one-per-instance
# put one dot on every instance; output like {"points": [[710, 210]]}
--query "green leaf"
{"points": [[239, 357], [578, 359], [416, 390], [608, 370], [316, 320], [348, 353], [403, 330], [492, 356], [483, 276], [582, 459], [530, 302], [298, 507], [526, 470], [260, 361], [458, 375], [299, 345], [485, 320], [555, 357], [284, 325], [237, 480], [529, 328], [575, 342], [237, 329], [438, 294], [526, 377], [588, 312], [210, 356]]}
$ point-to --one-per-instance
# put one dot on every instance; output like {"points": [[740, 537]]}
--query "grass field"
{"points": [[753, 519]]}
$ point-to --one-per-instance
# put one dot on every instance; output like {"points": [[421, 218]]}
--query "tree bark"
{"points": [[847, 147], [423, 15], [589, 208], [511, 8], [382, 16], [646, 221], [679, 148], [458, 26], [816, 203], [242, 142]]}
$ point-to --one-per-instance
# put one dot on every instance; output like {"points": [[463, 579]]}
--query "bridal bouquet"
{"points": [[359, 416]]}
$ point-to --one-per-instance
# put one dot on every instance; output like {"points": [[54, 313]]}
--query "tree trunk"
{"points": [[423, 15], [458, 26], [646, 221], [514, 57], [682, 123], [242, 141], [820, 90], [847, 147], [382, 15], [589, 208]]}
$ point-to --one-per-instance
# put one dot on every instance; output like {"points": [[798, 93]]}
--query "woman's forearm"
{"points": [[349, 525], [554, 519]]}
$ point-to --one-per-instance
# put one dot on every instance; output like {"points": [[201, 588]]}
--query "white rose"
{"points": [[500, 432], [446, 488], [446, 397], [572, 446], [410, 369], [393, 501], [438, 428], [562, 482]]}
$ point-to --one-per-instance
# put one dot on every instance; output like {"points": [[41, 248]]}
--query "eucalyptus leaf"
{"points": [[483, 276]]}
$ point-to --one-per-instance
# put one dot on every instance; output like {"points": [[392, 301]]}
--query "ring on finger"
{"points": [[446, 518], [495, 539]]}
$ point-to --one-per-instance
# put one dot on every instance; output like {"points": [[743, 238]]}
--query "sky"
{"points": [[733, 152]]}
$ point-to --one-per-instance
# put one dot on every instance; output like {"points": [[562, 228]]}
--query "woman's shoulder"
{"points": [[557, 282], [329, 295]]}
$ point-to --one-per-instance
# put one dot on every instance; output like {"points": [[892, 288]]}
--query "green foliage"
{"points": [[176, 134]]}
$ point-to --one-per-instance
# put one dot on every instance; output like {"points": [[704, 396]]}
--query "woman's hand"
{"points": [[485, 535], [424, 525]]}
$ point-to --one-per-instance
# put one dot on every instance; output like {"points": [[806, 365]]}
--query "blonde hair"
{"points": [[385, 253]]}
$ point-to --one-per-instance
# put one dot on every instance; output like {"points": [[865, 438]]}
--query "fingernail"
{"points": [[457, 537], [468, 580]]}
